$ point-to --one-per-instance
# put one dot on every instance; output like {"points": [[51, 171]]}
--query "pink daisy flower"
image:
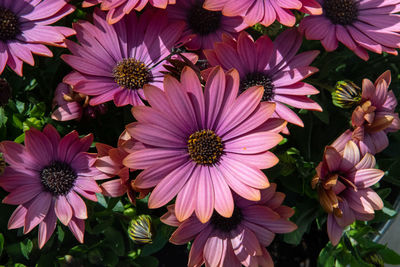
{"points": [[113, 62], [343, 181], [238, 240], [200, 145], [117, 9], [273, 65], [45, 178], [360, 25], [264, 11], [25, 30], [109, 161], [202, 26], [73, 106]]}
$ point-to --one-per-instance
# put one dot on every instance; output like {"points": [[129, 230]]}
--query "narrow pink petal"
{"points": [[264, 235], [213, 250], [205, 196], [186, 199], [63, 210], [223, 196], [214, 94], [367, 177], [196, 252], [37, 211], [145, 158], [334, 230], [47, 226], [187, 231], [17, 219], [351, 156], [77, 204], [332, 158], [367, 162], [23, 194], [113, 188], [244, 243], [77, 227], [253, 143]]}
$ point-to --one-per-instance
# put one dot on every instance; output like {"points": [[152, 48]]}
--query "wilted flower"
{"points": [[44, 178], [140, 230], [111, 63], [238, 240], [203, 27], [25, 30], [73, 106], [200, 145], [343, 181], [274, 65], [264, 11], [346, 95], [360, 25], [117, 9]]}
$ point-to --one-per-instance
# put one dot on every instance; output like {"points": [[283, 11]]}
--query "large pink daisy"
{"points": [[343, 181], [204, 27], [25, 30], [45, 178], [274, 65], [238, 240], [200, 145], [360, 25], [119, 8], [264, 11], [113, 62]]}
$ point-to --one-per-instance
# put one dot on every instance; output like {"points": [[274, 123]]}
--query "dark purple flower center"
{"points": [[205, 147], [9, 25], [259, 79], [5, 92], [342, 12], [58, 178], [202, 21], [131, 74], [226, 224]]}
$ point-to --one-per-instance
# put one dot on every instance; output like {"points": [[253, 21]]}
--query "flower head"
{"points": [[117, 9], [238, 240], [46, 179], [111, 63], [25, 30], [343, 181], [202, 26], [273, 65], [201, 145], [264, 11], [360, 25]]}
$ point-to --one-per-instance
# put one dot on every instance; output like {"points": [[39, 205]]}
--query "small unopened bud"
{"points": [[346, 95], [140, 230]]}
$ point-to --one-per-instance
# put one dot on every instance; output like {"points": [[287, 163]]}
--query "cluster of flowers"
{"points": [[207, 130], [345, 175]]}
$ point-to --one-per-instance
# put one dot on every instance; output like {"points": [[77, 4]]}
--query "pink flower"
{"points": [[202, 26], [273, 65], [238, 240], [44, 178], [343, 181], [117, 9], [109, 161], [25, 30], [73, 106], [360, 25], [373, 118], [200, 145], [112, 63], [264, 11]]}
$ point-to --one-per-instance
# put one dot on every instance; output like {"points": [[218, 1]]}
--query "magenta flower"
{"points": [[44, 178], [273, 65], [238, 240], [200, 145], [343, 181], [203, 27], [112, 63], [264, 11], [360, 25], [117, 9], [25, 30]]}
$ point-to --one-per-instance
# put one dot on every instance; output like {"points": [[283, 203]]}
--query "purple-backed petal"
{"points": [[244, 243], [367, 162], [373, 198], [37, 211], [358, 202], [213, 250], [332, 158], [367, 177], [351, 156], [63, 210], [77, 204], [47, 226], [187, 231], [334, 230], [17, 218], [77, 227], [196, 252], [39, 146], [347, 214], [23, 194]]}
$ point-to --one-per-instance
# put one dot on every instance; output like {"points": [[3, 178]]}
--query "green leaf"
{"points": [[60, 233], [159, 241], [17, 121], [115, 241], [389, 256], [148, 261], [326, 257], [20, 138], [26, 248], [37, 110], [3, 117], [20, 106], [1, 243]]}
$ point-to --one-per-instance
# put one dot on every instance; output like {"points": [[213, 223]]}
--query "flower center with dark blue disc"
{"points": [[258, 79], [131, 74], [58, 178], [202, 21], [205, 147], [226, 224], [343, 12], [9, 25]]}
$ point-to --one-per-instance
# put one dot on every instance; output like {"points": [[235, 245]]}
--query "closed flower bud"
{"points": [[140, 230], [346, 95]]}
